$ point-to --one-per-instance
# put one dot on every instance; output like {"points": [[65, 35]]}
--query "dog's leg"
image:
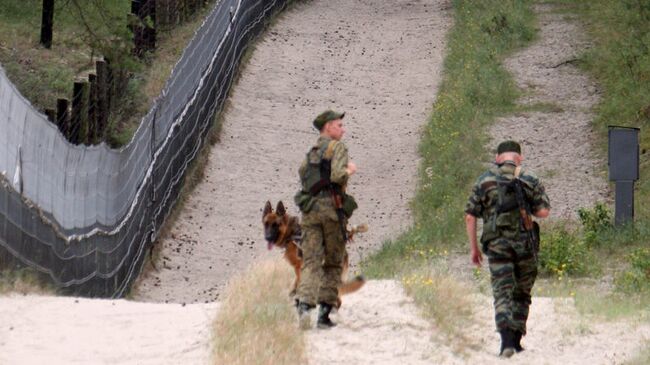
{"points": [[291, 254]]}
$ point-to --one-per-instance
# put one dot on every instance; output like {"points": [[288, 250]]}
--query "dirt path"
{"points": [[380, 325], [557, 142], [59, 330], [379, 61]]}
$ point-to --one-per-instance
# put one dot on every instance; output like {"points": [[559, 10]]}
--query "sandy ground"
{"points": [[557, 143], [380, 61], [58, 330], [380, 325]]}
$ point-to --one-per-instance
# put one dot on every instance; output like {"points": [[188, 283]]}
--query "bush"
{"points": [[564, 253], [637, 277], [595, 221]]}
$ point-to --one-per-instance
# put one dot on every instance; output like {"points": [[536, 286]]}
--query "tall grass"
{"points": [[257, 323], [475, 89]]}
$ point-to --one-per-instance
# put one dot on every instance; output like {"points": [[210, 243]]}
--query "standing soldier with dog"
{"points": [[506, 199], [325, 209]]}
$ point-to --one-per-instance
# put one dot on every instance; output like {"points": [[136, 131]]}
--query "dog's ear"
{"points": [[267, 209], [280, 208]]}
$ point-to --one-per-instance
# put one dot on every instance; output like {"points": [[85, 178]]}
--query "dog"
{"points": [[283, 230]]}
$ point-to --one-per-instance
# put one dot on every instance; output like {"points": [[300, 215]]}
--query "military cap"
{"points": [[508, 146], [325, 117]]}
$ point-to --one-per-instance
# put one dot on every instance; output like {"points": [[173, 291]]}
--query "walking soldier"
{"points": [[506, 198]]}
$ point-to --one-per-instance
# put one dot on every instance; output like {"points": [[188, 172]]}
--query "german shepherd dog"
{"points": [[283, 230]]}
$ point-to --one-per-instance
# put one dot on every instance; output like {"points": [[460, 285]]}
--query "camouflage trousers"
{"points": [[513, 271], [323, 254]]}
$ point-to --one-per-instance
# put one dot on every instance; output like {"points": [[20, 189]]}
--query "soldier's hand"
{"points": [[477, 258], [351, 168]]}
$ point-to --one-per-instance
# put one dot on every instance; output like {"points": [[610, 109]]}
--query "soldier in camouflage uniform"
{"points": [[324, 174], [512, 259]]}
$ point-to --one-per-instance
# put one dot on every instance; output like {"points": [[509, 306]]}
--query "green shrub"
{"points": [[595, 221], [637, 277], [564, 253]]}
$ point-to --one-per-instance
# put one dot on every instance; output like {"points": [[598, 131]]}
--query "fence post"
{"points": [[63, 116], [51, 115], [80, 112], [144, 36], [93, 132], [47, 21], [102, 98]]}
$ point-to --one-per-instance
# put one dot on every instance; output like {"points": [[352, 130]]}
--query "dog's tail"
{"points": [[352, 285]]}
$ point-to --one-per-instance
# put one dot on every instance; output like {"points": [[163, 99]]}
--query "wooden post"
{"points": [[80, 113], [150, 32], [63, 116], [51, 115], [102, 98], [47, 22], [110, 83], [92, 110], [144, 36]]}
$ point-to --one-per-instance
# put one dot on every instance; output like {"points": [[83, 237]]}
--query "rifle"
{"points": [[338, 205], [531, 227]]}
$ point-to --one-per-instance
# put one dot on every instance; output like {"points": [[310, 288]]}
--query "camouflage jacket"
{"points": [[484, 200], [338, 175]]}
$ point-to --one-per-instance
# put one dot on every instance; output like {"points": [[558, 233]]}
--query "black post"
{"points": [[63, 116], [102, 98], [623, 161], [79, 113], [93, 133], [47, 23], [624, 205]]}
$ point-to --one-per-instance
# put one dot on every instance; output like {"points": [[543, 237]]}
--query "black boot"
{"points": [[324, 320], [517, 341], [507, 343], [304, 315]]}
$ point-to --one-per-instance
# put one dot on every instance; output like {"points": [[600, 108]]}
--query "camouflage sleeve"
{"points": [[339, 173], [474, 206], [303, 167], [539, 199], [536, 193]]}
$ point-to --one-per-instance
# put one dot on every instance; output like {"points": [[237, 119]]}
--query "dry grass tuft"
{"points": [[257, 322], [444, 300]]}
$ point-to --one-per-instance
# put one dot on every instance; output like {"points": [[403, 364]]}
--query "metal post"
{"points": [[623, 161], [624, 202]]}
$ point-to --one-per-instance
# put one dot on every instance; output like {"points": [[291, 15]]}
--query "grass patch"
{"points": [[642, 358], [444, 300], [256, 323], [23, 281], [475, 89], [563, 252]]}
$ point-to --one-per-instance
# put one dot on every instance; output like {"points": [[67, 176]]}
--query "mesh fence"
{"points": [[85, 215]]}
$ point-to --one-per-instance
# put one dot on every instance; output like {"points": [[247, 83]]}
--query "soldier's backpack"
{"points": [[504, 219], [316, 178]]}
